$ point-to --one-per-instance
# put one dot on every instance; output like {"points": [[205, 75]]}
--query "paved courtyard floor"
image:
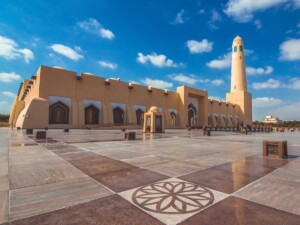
{"points": [[92, 177]]}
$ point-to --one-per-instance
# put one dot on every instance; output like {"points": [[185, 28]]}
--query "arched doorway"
{"points": [[118, 116], [173, 119], [192, 115], [91, 115], [58, 113], [139, 116], [158, 124]]}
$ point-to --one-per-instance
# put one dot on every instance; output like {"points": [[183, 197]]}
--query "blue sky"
{"points": [[159, 43]]}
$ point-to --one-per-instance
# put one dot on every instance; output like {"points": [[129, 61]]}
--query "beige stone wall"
{"points": [[31, 110]]}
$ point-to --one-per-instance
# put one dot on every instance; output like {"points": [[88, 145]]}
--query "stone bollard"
{"points": [[40, 135], [66, 130], [29, 131], [130, 136], [275, 149]]}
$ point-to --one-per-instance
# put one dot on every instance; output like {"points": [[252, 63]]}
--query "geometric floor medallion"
{"points": [[173, 197]]}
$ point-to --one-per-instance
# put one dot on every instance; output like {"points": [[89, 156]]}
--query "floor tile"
{"points": [[279, 194], [128, 178], [232, 211], [146, 160], [244, 168], [267, 162], [99, 165], [35, 200], [174, 168], [112, 210], [172, 200], [4, 207], [35, 177], [4, 183], [220, 180]]}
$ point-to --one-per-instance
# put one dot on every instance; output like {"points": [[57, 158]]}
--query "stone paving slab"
{"points": [[4, 207], [35, 200]]}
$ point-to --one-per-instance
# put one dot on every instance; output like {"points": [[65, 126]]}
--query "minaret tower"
{"points": [[238, 92]]}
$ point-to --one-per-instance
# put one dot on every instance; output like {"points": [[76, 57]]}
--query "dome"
{"points": [[154, 109], [238, 40]]}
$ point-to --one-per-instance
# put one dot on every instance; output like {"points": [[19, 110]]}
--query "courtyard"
{"points": [[88, 177]]}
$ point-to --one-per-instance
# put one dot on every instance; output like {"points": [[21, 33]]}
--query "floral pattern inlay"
{"points": [[173, 197]]}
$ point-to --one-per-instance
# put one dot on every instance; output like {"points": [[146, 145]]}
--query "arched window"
{"points": [[173, 119], [91, 115], [192, 115], [241, 48], [118, 116], [139, 116], [58, 113], [235, 49]]}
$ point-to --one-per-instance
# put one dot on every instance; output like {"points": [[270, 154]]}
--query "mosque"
{"points": [[58, 98]]}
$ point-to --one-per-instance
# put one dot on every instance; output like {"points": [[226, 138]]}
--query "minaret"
{"points": [[238, 92], [238, 71]]}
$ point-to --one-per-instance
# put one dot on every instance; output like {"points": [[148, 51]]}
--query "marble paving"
{"points": [[178, 177]]}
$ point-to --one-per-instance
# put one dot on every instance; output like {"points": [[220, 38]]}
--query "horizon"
{"points": [[158, 44]]}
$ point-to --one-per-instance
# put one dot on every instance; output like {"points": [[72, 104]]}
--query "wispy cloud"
{"points": [[157, 83], [192, 79], [242, 10], [293, 83], [258, 24], [196, 47], [290, 50], [217, 82], [157, 60], [215, 17], [10, 50], [9, 77], [266, 102], [109, 65], [259, 71], [8, 93], [269, 84], [94, 27], [180, 18], [184, 79], [67, 51]]}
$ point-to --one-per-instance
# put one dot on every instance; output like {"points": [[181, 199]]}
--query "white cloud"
{"points": [[294, 83], [93, 26], [258, 24], [179, 19], [184, 79], [259, 71], [107, 64], [289, 111], [242, 10], [66, 51], [8, 93], [9, 77], [221, 63], [9, 50], [266, 102], [157, 83], [199, 46], [290, 50], [157, 60], [4, 107], [269, 84], [217, 82], [107, 34]]}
